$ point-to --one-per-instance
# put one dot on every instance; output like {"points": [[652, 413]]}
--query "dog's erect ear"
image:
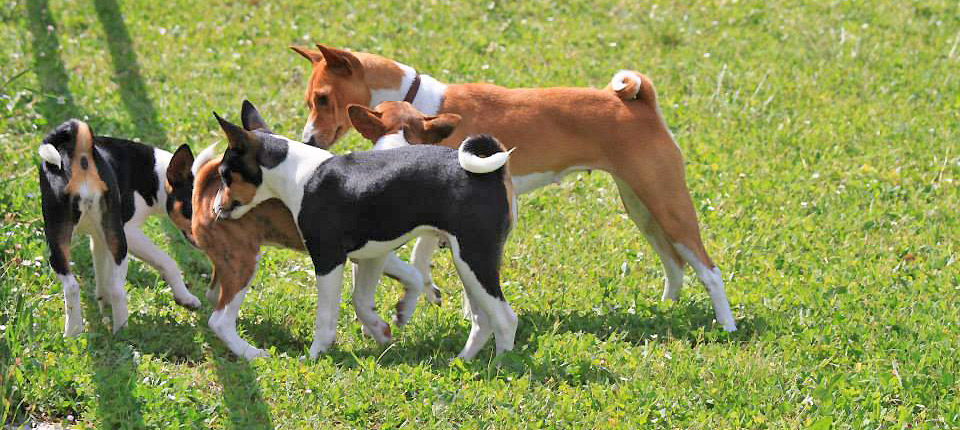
{"points": [[251, 118], [338, 61], [309, 54], [437, 128], [237, 138], [178, 171], [367, 122]]}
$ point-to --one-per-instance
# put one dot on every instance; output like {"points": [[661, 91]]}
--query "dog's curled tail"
{"points": [[482, 153], [50, 148], [50, 154], [630, 85], [203, 157]]}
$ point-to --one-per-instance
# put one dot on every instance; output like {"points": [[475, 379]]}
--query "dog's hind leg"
{"points": [[657, 180], [422, 255], [478, 267], [672, 263], [58, 218], [142, 248], [111, 261], [412, 282], [60, 262], [366, 275]]}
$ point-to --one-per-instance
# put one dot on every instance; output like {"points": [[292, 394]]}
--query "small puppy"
{"points": [[363, 205], [106, 188]]}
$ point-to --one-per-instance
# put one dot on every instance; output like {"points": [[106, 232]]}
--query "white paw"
{"points": [[253, 353], [119, 323], [380, 334], [72, 327], [188, 301]]}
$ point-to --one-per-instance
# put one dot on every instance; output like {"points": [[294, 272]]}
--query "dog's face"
{"points": [[403, 120], [179, 187], [336, 82], [251, 148]]}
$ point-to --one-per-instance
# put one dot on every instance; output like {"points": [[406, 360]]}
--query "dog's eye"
{"points": [[235, 203], [321, 100]]}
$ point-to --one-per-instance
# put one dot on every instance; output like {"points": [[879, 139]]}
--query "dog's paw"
{"points": [[433, 294], [72, 328], [381, 333], [252, 353], [189, 301]]}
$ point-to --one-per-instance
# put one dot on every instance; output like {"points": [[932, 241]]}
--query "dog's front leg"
{"points": [[366, 275], [422, 255], [142, 248], [236, 280], [328, 307]]}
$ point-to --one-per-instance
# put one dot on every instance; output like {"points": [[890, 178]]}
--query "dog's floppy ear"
{"points": [[437, 128], [309, 54], [338, 61], [237, 138], [178, 171], [367, 121], [251, 118]]}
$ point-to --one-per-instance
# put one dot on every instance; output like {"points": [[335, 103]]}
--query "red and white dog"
{"points": [[555, 131]]}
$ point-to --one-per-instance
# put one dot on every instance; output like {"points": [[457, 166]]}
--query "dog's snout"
{"points": [[312, 140]]}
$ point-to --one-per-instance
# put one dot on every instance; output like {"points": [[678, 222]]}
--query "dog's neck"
{"points": [[288, 179], [386, 84]]}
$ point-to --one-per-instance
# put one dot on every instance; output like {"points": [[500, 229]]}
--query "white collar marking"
{"points": [[429, 97]]}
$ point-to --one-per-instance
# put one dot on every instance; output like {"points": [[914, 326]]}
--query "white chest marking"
{"points": [[429, 96], [532, 181]]}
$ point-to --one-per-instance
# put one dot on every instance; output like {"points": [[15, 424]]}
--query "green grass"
{"points": [[821, 146]]}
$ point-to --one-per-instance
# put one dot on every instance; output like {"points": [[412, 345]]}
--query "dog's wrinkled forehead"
{"points": [[397, 115]]}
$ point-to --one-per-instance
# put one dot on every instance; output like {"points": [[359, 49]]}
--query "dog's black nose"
{"points": [[312, 141]]}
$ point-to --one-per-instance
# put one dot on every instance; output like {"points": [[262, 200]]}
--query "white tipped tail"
{"points": [[50, 154], [626, 83], [203, 157], [473, 163]]}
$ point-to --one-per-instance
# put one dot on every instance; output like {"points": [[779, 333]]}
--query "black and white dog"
{"points": [[364, 205], [106, 188]]}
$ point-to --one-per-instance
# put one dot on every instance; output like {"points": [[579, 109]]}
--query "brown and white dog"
{"points": [[106, 188], [555, 131]]}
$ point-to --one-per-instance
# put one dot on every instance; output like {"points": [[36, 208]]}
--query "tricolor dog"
{"points": [[555, 131], [363, 205], [233, 245], [106, 188]]}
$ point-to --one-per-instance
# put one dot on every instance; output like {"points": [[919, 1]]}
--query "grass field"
{"points": [[821, 141]]}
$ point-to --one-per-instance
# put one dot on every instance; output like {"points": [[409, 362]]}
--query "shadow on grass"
{"points": [[242, 397], [114, 371], [56, 101], [126, 73]]}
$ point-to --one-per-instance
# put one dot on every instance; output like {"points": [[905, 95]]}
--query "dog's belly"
{"points": [[374, 248], [532, 181]]}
